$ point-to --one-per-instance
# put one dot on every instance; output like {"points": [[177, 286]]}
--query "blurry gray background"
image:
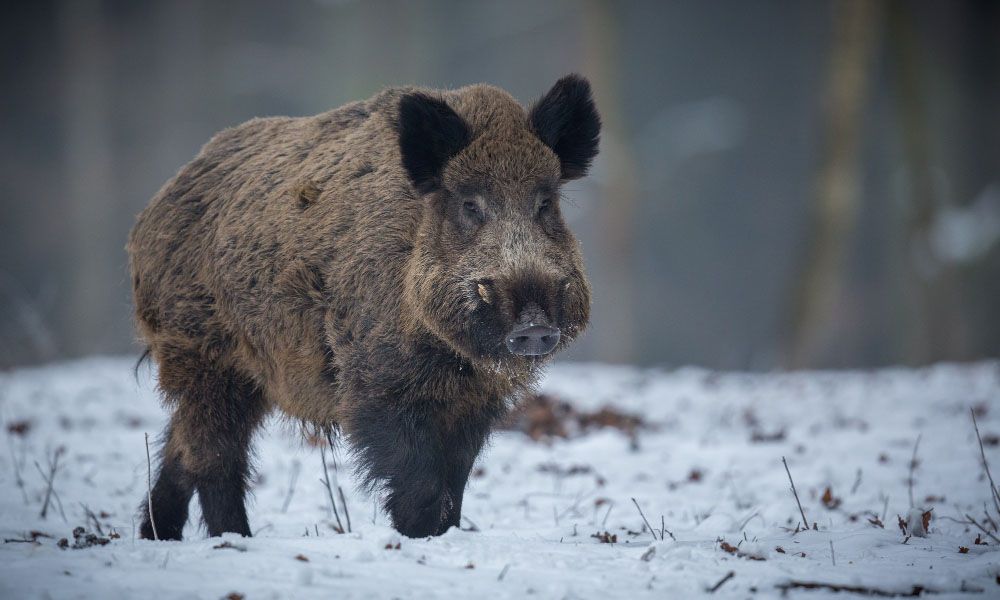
{"points": [[781, 184]]}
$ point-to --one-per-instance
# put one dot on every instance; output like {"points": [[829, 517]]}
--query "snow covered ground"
{"points": [[707, 460]]}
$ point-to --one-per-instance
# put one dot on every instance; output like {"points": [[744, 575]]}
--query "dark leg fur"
{"points": [[207, 450], [422, 464]]}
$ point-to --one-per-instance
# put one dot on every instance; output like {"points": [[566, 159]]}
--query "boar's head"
{"points": [[495, 272]]}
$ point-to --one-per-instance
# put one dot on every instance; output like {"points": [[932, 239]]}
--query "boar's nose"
{"points": [[532, 335], [532, 340]]}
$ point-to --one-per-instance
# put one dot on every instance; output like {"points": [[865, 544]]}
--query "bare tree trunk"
{"points": [[838, 190], [932, 324], [616, 206], [91, 302]]}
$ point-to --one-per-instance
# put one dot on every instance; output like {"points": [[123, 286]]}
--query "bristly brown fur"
{"points": [[359, 270]]}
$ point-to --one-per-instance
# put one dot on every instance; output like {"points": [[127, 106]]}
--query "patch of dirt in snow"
{"points": [[550, 513]]}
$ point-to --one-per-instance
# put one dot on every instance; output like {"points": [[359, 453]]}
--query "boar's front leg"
{"points": [[421, 458]]}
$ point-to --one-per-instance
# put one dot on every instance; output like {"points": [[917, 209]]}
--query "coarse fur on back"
{"points": [[396, 269]]}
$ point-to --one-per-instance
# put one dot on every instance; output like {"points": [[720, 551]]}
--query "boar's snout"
{"points": [[532, 335]]}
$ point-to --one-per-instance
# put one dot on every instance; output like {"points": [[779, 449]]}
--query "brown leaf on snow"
{"points": [[20, 428], [926, 519], [979, 540], [902, 524], [302, 557], [963, 550], [779, 549], [606, 537], [543, 416], [829, 500], [735, 551]]}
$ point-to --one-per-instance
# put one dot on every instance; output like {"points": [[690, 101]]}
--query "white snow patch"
{"points": [[536, 526]]}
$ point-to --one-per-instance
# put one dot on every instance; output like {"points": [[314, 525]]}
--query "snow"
{"points": [[708, 461]]}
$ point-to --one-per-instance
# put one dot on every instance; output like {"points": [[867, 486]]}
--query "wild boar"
{"points": [[395, 272]]}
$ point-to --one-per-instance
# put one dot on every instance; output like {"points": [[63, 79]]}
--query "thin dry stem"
{"points": [[986, 465], [149, 490], [913, 466], [805, 522], [651, 530]]}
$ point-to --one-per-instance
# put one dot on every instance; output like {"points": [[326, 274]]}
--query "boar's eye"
{"points": [[544, 207], [472, 212]]}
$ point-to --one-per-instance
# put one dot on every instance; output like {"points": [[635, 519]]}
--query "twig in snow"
{"points": [[913, 465], [721, 582], [604, 522], [833, 557], [92, 517], [982, 528], [857, 482], [805, 523], [149, 492], [343, 503], [329, 489], [472, 525], [747, 520], [296, 467], [503, 572], [663, 529], [17, 470], [651, 530], [49, 479], [986, 466], [914, 592]]}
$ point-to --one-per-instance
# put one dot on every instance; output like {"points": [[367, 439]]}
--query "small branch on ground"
{"points": [[833, 557], [92, 517], [651, 530], [149, 491], [329, 490], [857, 482], [972, 521], [914, 592], [343, 503], [18, 479], [296, 467], [994, 493], [721, 582], [663, 529], [913, 466], [805, 523], [53, 464]]}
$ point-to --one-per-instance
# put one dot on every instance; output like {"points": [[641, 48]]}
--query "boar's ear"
{"points": [[567, 121], [430, 133]]}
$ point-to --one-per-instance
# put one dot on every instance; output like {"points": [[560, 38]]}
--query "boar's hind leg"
{"points": [[171, 496], [208, 445], [422, 466]]}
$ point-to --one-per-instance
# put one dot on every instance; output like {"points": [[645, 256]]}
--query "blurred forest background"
{"points": [[781, 183]]}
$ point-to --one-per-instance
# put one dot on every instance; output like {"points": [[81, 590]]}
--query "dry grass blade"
{"points": [[329, 490], [805, 523], [986, 465], [982, 528], [149, 491], [721, 582], [651, 530], [913, 466]]}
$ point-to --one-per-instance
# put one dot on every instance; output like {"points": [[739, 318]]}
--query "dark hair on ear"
{"points": [[430, 133], [566, 120]]}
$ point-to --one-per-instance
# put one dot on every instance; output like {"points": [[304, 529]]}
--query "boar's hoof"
{"points": [[422, 520]]}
